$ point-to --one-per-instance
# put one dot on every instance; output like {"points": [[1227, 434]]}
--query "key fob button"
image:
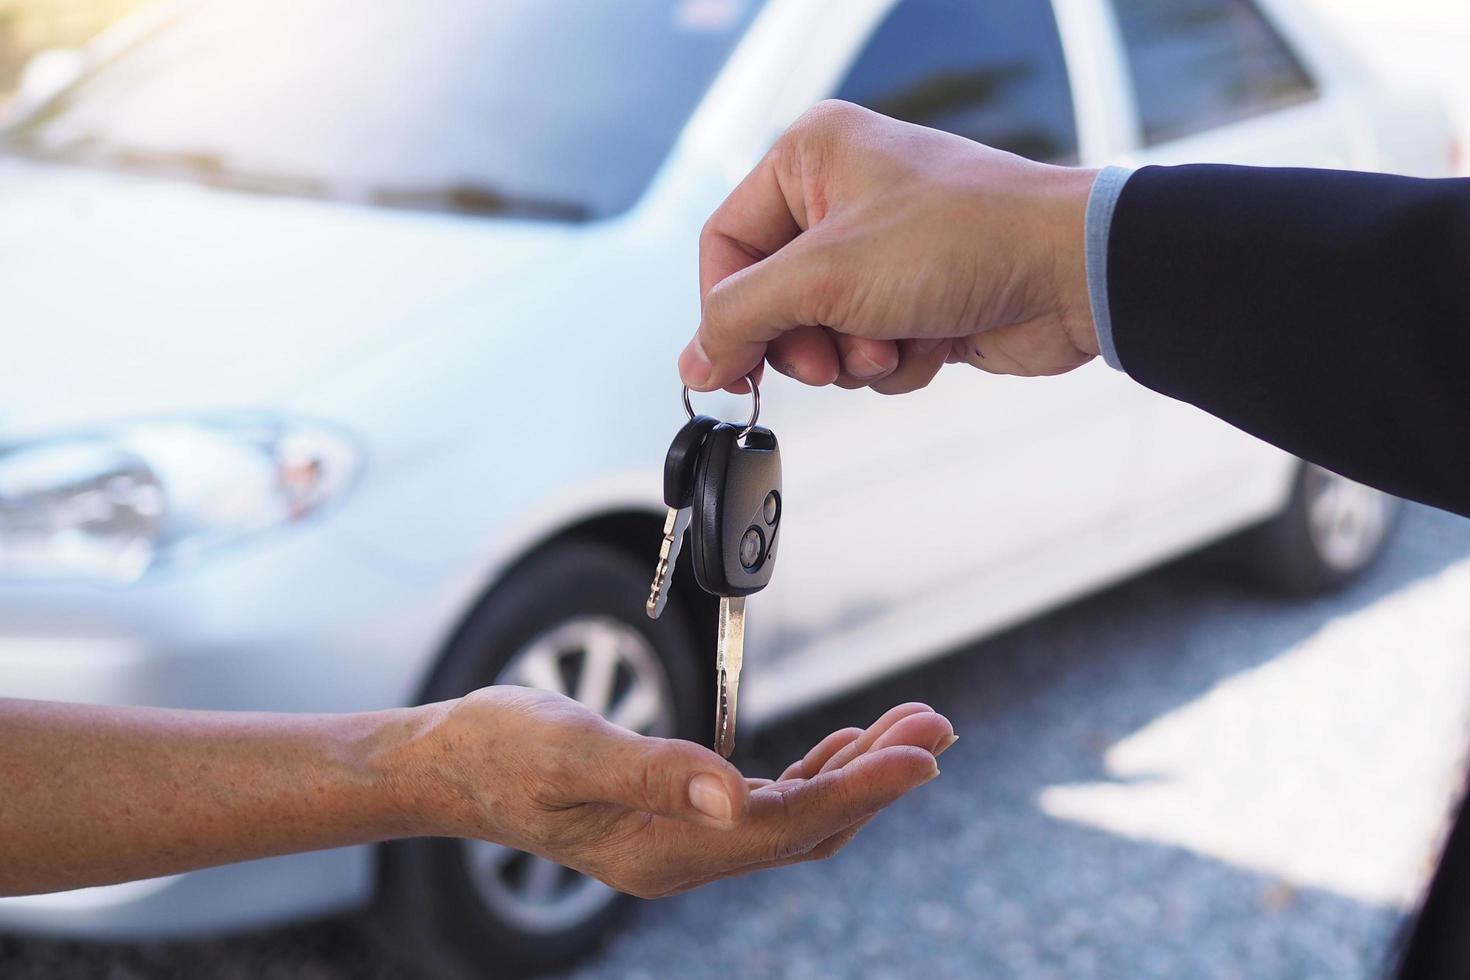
{"points": [[771, 508], [752, 548]]}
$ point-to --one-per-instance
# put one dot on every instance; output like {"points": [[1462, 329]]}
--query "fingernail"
{"points": [[694, 365], [861, 366], [707, 795], [945, 743]]}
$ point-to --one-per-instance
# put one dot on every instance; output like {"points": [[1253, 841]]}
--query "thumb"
{"points": [[743, 313], [670, 778]]}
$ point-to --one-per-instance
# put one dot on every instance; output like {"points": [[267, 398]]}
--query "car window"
{"points": [[552, 109], [988, 70], [1198, 64]]}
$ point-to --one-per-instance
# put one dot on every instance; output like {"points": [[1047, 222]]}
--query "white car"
{"points": [[340, 369]]}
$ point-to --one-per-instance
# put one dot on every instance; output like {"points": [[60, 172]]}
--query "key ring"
{"points": [[755, 408]]}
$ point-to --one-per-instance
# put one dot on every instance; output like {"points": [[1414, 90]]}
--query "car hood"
{"points": [[127, 296]]}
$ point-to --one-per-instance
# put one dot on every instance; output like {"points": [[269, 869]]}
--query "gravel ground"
{"points": [[971, 877]]}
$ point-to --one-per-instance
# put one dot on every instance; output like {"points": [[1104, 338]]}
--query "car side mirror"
{"points": [[47, 74]]}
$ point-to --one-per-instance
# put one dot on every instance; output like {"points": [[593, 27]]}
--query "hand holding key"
{"points": [[864, 251]]}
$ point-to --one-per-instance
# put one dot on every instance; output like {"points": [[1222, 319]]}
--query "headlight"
{"points": [[115, 502]]}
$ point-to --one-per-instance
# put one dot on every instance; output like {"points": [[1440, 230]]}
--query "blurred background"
{"points": [[340, 375], [30, 26]]}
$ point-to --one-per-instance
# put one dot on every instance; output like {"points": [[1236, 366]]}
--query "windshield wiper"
{"points": [[481, 199], [202, 166], [207, 167]]}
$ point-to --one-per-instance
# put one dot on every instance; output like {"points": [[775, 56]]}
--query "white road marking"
{"points": [[1331, 766]]}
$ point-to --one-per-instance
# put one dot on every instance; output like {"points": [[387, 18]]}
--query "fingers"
{"points": [[741, 386], [922, 729], [783, 823], [918, 362], [873, 732], [926, 730], [821, 356], [747, 310], [913, 723], [807, 354], [830, 846], [754, 222], [919, 729], [794, 846], [842, 838], [864, 361], [815, 759], [666, 777], [790, 819]]}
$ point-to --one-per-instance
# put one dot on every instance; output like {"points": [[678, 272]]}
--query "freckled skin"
{"points": [[94, 795]]}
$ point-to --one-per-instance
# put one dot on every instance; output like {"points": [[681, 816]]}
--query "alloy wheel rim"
{"points": [[611, 668], [1346, 519]]}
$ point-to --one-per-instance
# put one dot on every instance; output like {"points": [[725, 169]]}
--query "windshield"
{"points": [[559, 109]]}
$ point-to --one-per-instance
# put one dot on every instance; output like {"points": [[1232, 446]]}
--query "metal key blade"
{"points": [[729, 656], [668, 556]]}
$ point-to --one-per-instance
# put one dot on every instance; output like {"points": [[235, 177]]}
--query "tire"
{"points": [[458, 909], [1331, 531]]}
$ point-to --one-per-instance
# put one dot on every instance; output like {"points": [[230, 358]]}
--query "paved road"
{"points": [[1176, 778]]}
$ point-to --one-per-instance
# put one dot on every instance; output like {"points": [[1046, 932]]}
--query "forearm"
{"points": [[1278, 300], [94, 795]]}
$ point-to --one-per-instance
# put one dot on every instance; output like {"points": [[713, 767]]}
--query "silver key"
{"points": [[679, 466], [729, 656], [675, 526]]}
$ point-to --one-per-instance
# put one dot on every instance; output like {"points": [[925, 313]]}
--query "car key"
{"points": [[679, 465], [736, 526]]}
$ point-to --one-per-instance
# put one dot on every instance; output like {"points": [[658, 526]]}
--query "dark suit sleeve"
{"points": [[1323, 311], [1328, 313]]}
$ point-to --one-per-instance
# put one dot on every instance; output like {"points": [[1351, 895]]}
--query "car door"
{"points": [[891, 500], [1219, 81]]}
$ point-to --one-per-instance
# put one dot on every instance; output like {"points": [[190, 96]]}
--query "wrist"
{"points": [[390, 751], [1066, 243]]}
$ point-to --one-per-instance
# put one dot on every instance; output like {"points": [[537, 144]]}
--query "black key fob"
{"points": [[682, 457], [737, 510]]}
